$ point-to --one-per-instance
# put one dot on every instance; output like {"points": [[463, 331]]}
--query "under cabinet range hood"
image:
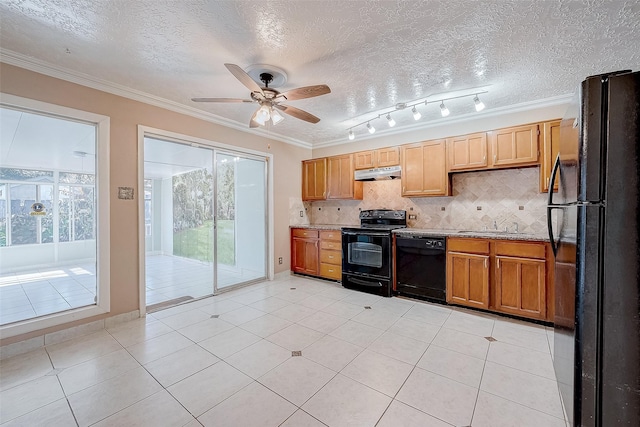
{"points": [[391, 172]]}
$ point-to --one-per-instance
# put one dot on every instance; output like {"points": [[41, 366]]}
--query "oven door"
{"points": [[366, 253]]}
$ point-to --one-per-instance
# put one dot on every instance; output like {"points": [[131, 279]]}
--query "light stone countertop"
{"points": [[326, 226], [500, 235]]}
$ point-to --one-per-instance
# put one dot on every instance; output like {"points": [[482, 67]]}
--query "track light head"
{"points": [[371, 129], [392, 122], [443, 109], [416, 113], [479, 104], [352, 136]]}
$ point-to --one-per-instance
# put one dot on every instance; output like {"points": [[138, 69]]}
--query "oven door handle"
{"points": [[365, 283], [364, 233]]}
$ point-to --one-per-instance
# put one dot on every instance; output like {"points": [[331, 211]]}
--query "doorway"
{"points": [[205, 220]]}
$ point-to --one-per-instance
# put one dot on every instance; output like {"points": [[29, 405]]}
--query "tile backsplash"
{"points": [[508, 197]]}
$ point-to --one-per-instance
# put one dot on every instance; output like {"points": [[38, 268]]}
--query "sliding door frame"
{"points": [[146, 131]]}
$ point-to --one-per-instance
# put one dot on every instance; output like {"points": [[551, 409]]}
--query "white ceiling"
{"points": [[34, 141], [372, 54]]}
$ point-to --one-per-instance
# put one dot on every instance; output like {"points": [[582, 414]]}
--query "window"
{"points": [[147, 207]]}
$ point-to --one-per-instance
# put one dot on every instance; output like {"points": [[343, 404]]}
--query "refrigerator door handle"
{"points": [[551, 206], [552, 181]]}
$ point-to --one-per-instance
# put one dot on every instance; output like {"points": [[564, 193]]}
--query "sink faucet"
{"points": [[515, 227], [495, 224]]}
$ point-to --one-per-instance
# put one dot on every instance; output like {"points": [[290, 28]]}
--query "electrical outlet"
{"points": [[280, 260], [413, 216], [301, 214]]}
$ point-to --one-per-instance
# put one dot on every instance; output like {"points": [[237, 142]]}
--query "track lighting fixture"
{"points": [[479, 104], [391, 122], [386, 112], [444, 110], [416, 113]]}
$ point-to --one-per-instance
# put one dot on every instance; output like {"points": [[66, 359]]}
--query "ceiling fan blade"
{"points": [[297, 113], [306, 92], [220, 100], [244, 78]]}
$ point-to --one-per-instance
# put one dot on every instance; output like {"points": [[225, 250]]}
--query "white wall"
{"points": [[23, 257]]}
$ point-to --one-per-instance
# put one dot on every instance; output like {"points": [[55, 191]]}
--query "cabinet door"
{"points": [[515, 146], [340, 180], [468, 279], [314, 179], [520, 286], [550, 146], [388, 157], [304, 256], [424, 171], [467, 152], [365, 159]]}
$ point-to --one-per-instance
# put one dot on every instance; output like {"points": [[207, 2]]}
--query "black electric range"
{"points": [[367, 251]]}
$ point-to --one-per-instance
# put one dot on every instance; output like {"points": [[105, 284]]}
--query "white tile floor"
{"points": [[42, 291], [227, 361]]}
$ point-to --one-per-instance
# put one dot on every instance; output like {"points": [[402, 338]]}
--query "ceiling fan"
{"points": [[270, 99]]}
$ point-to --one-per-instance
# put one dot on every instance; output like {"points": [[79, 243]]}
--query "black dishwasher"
{"points": [[421, 267]]}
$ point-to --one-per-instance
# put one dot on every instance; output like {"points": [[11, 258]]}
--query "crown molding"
{"points": [[499, 111], [42, 67]]}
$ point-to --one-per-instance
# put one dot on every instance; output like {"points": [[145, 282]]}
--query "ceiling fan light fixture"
{"points": [[390, 120], [371, 129], [276, 117], [479, 104], [352, 136], [262, 116], [444, 110], [416, 113]]}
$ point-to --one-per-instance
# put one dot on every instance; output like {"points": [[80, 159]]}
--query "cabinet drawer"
{"points": [[522, 250], [331, 271], [331, 235], [305, 232], [477, 246], [330, 244], [331, 257]]}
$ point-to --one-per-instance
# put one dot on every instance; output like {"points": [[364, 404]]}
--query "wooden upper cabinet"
{"points": [[314, 179], [380, 158], [517, 146], [388, 157], [340, 182], [424, 171], [550, 146], [467, 152]]}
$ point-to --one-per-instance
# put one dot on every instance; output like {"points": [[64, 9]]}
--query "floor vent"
{"points": [[490, 339], [166, 304], [296, 353]]}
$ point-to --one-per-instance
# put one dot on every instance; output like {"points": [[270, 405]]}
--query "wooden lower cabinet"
{"points": [[512, 277], [468, 279], [316, 252], [520, 286]]}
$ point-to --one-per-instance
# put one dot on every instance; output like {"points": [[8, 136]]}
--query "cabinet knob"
{"points": [[495, 158], [331, 256]]}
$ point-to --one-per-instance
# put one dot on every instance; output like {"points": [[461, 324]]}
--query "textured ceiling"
{"points": [[372, 54]]}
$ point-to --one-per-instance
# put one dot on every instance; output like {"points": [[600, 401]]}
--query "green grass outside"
{"points": [[197, 243]]}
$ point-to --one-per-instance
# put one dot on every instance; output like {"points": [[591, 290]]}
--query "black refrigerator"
{"points": [[595, 239]]}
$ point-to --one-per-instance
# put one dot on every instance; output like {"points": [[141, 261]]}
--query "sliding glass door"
{"points": [[200, 211], [240, 219]]}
